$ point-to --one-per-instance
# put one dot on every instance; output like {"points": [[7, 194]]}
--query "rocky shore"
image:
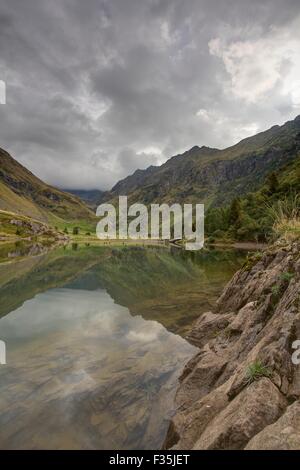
{"points": [[242, 390]]}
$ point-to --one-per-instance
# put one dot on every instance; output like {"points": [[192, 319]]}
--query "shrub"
{"points": [[272, 182], [219, 234], [248, 229], [75, 230]]}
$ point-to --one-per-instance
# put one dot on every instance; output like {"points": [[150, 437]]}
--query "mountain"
{"points": [[272, 210], [91, 197], [21, 192], [201, 174], [213, 176]]}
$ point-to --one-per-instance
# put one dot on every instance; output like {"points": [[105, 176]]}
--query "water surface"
{"points": [[95, 342]]}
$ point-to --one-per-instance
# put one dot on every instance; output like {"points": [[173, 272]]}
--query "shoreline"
{"points": [[94, 240], [241, 245], [244, 354]]}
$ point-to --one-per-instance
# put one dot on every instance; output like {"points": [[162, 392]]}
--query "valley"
{"points": [[239, 187]]}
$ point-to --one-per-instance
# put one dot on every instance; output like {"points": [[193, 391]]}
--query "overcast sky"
{"points": [[99, 88]]}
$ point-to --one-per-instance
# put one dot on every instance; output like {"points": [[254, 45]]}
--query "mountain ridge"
{"points": [[213, 176]]}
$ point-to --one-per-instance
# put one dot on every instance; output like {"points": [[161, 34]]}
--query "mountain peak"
{"points": [[203, 148]]}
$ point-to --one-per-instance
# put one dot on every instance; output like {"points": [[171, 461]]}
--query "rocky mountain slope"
{"points": [[210, 175], [242, 390], [23, 193]]}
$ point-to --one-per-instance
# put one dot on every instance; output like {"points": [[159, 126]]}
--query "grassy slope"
{"points": [[12, 202], [22, 192]]}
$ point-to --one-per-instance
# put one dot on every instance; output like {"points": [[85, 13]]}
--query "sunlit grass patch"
{"points": [[285, 214]]}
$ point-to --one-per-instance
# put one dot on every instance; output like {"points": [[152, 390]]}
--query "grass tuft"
{"points": [[255, 371], [285, 215]]}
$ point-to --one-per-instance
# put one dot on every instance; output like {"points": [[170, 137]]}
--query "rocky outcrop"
{"points": [[242, 389], [28, 228], [14, 227]]}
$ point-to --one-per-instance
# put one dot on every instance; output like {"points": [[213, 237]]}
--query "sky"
{"points": [[98, 88]]}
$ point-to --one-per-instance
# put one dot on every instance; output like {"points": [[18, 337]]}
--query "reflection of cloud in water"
{"points": [[57, 308], [146, 333], [84, 373]]}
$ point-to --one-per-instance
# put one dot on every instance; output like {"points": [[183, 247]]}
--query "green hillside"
{"points": [[273, 210], [23, 193]]}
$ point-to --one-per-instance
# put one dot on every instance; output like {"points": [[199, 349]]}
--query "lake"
{"points": [[95, 341]]}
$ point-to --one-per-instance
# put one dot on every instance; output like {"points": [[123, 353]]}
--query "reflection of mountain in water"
{"points": [[84, 371], [170, 286], [22, 280]]}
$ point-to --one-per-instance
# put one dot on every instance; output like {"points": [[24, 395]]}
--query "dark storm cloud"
{"points": [[96, 89]]}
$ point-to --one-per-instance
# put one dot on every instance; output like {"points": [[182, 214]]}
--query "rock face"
{"points": [[242, 390]]}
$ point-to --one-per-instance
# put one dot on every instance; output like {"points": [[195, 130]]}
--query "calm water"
{"points": [[95, 341]]}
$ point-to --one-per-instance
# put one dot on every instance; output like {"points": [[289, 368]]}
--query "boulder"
{"points": [[257, 406], [284, 434]]}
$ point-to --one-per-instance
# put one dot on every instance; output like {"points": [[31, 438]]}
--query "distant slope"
{"points": [[23, 193], [91, 197], [210, 175]]}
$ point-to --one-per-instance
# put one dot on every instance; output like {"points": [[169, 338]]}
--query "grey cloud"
{"points": [[96, 89]]}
